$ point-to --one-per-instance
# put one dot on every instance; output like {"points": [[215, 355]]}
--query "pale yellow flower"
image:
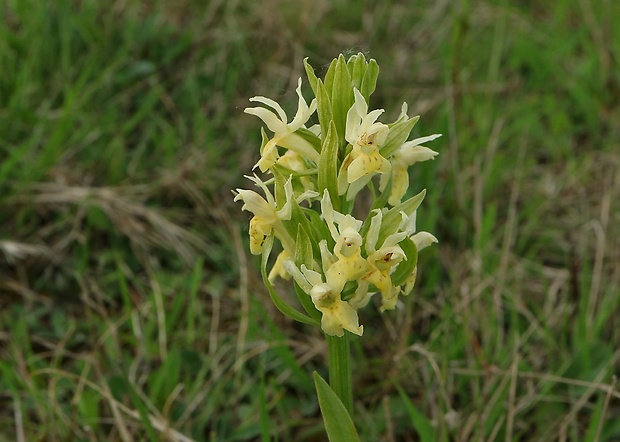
{"points": [[278, 269], [409, 153], [366, 136], [266, 213], [349, 264], [284, 132], [337, 315], [383, 261]]}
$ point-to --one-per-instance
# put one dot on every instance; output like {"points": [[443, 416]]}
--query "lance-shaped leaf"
{"points": [[393, 218], [370, 79], [341, 97], [338, 423], [279, 182], [399, 132], [357, 68], [310, 138], [324, 107], [280, 304], [312, 79], [328, 165], [405, 267], [320, 228], [298, 217], [304, 255], [330, 75], [379, 203]]}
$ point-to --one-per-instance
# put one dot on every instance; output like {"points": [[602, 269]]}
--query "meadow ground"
{"points": [[131, 308]]}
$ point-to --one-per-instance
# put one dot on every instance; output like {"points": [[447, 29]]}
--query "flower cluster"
{"points": [[314, 175]]}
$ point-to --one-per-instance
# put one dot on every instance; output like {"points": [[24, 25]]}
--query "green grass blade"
{"points": [[142, 410], [420, 423]]}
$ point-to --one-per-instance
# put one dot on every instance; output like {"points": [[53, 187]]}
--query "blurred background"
{"points": [[131, 308]]}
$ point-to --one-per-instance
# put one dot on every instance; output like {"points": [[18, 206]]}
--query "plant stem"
{"points": [[340, 369]]}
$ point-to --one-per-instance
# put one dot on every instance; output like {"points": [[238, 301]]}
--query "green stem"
{"points": [[340, 369]]}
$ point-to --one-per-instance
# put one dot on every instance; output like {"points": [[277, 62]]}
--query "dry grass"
{"points": [[124, 263]]}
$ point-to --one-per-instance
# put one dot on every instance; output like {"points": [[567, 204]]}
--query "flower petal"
{"points": [[411, 154], [340, 316], [256, 204], [421, 140], [272, 104], [278, 269], [423, 240], [297, 275], [303, 111], [269, 118]]}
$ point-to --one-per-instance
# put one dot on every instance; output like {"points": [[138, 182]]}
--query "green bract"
{"points": [[337, 255]]}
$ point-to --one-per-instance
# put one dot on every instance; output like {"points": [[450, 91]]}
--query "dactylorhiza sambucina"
{"points": [[313, 176]]}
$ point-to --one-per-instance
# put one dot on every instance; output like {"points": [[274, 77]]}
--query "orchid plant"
{"points": [[338, 252]]}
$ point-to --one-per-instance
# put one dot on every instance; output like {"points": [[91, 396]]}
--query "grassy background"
{"points": [[131, 309]]}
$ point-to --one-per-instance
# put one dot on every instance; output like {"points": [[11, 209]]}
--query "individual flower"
{"points": [[266, 212], [383, 261], [337, 315], [349, 263], [284, 132], [366, 136], [409, 153]]}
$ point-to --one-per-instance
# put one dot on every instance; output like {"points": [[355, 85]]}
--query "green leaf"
{"points": [[409, 206], [324, 107], [357, 68], [312, 79], [264, 139], [369, 83], [278, 187], [298, 217], [404, 269], [303, 248], [320, 228], [338, 424], [328, 166], [349, 290], [420, 423], [265, 424], [391, 220], [280, 304], [399, 132], [310, 138], [330, 75], [307, 304], [142, 410], [341, 96]]}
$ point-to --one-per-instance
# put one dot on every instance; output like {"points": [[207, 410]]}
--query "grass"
{"points": [[131, 309]]}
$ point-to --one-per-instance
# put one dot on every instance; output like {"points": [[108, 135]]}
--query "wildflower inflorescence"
{"points": [[314, 176]]}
